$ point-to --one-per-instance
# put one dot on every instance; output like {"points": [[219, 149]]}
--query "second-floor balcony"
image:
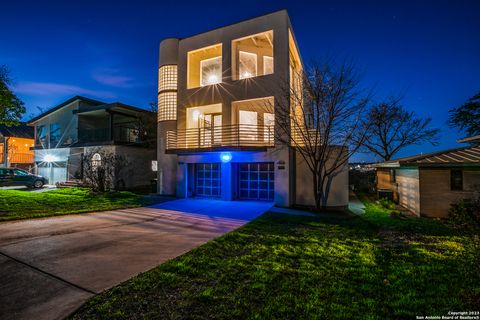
{"points": [[231, 137], [119, 134]]}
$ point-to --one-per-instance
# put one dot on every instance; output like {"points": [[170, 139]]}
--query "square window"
{"points": [[204, 66], [252, 55], [211, 71]]}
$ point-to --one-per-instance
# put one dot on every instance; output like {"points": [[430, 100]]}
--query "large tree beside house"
{"points": [[11, 107], [467, 116], [321, 121], [392, 128]]}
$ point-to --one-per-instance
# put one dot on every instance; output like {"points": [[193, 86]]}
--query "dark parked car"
{"points": [[16, 177]]}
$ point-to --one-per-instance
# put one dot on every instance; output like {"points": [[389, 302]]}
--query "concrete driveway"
{"points": [[49, 267]]}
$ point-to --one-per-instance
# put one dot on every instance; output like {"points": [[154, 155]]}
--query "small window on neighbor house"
{"points": [[393, 176], [456, 179]]}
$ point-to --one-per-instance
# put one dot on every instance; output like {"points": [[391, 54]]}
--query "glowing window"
{"points": [[167, 78], [248, 65], [211, 71], [252, 55], [204, 66], [167, 106], [267, 65]]}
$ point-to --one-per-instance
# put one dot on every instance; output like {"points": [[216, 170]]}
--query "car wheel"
{"points": [[38, 184]]}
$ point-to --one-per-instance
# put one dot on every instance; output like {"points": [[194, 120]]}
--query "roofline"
{"points": [[61, 105], [231, 24], [469, 139], [406, 161], [107, 106]]}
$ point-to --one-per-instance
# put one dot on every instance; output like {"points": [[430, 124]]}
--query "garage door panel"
{"points": [[208, 180], [256, 181]]}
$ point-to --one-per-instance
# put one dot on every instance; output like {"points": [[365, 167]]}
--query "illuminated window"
{"points": [[204, 66], [248, 65], [267, 65], [167, 106], [167, 78], [211, 71], [167, 93], [41, 136], [268, 125], [252, 56], [55, 135]]}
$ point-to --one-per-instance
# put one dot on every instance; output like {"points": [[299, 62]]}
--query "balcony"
{"points": [[119, 134], [241, 137]]}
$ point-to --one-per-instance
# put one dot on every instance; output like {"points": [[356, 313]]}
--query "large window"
{"points": [[41, 136], [252, 56], [204, 66], [55, 135], [167, 93]]}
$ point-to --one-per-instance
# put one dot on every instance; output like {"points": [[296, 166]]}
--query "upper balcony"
{"points": [[243, 137]]}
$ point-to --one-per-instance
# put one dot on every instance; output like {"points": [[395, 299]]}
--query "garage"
{"points": [[53, 171], [208, 180], [256, 181]]}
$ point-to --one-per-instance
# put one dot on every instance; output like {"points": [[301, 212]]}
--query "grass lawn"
{"points": [[325, 267], [17, 204]]}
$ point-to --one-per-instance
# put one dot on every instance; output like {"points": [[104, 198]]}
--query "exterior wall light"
{"points": [[49, 158], [226, 157]]}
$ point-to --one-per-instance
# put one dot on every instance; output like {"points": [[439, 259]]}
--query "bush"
{"points": [[387, 204], [465, 212]]}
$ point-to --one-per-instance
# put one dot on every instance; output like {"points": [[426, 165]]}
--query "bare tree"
{"points": [[320, 120], [393, 128], [146, 124], [102, 170]]}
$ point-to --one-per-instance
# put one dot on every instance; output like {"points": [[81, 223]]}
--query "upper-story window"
{"points": [[55, 135], [41, 136], [204, 66], [252, 56]]}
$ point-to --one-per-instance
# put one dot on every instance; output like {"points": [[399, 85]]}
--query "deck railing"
{"points": [[239, 135]]}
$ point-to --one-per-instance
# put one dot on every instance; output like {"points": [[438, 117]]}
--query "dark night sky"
{"points": [[429, 51]]}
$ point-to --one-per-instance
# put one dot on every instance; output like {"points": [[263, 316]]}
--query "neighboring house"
{"points": [[428, 184], [216, 116], [81, 126], [15, 144]]}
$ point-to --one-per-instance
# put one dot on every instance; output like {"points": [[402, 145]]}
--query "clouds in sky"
{"points": [[49, 88], [110, 77]]}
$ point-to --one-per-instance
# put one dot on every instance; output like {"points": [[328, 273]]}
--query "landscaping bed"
{"points": [[18, 204], [296, 267]]}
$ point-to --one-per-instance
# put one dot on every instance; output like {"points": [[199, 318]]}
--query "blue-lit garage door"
{"points": [[207, 180], [256, 181]]}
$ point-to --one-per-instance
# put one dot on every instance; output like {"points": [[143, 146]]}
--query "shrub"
{"points": [[387, 204], [465, 212]]}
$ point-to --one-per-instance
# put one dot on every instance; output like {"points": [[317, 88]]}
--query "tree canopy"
{"points": [[11, 107], [392, 128], [467, 116]]}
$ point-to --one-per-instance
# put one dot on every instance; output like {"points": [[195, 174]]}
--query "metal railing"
{"points": [[18, 157], [239, 135]]}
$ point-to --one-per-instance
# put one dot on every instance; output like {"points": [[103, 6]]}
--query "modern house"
{"points": [[428, 184], [217, 100], [15, 144], [82, 126]]}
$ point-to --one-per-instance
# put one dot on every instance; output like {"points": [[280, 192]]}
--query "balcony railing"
{"points": [[239, 135], [18, 157]]}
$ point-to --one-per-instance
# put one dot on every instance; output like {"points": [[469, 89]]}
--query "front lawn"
{"points": [[293, 267], [17, 204]]}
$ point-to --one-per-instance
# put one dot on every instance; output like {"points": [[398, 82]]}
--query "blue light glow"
{"points": [[226, 157]]}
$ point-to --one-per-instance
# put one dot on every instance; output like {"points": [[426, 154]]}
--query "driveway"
{"points": [[49, 267]]}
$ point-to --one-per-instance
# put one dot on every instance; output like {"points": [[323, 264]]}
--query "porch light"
{"points": [[49, 158], [226, 157]]}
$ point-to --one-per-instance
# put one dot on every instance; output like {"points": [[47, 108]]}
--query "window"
{"points": [[267, 65], [456, 179], [204, 66], [18, 172], [248, 65], [167, 93], [96, 161], [211, 71], [55, 135], [41, 137], [167, 78], [393, 175], [252, 56], [248, 125]]}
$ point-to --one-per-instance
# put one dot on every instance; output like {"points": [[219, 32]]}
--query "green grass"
{"points": [[17, 204], [326, 267]]}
